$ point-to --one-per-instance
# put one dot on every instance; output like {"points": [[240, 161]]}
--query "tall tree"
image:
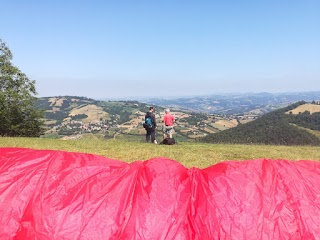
{"points": [[18, 115]]}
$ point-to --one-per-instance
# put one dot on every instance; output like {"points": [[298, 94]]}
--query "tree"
{"points": [[18, 115]]}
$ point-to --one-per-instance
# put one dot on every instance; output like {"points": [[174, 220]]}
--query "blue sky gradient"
{"points": [[107, 49]]}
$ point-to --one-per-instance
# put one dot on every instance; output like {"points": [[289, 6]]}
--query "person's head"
{"points": [[167, 110], [151, 109]]}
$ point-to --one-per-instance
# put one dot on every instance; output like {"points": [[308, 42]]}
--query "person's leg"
{"points": [[170, 132], [148, 136], [164, 132], [153, 136]]}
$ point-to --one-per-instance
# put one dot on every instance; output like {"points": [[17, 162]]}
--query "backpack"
{"points": [[147, 123]]}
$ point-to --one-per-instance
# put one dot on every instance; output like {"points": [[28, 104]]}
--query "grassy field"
{"points": [[189, 154]]}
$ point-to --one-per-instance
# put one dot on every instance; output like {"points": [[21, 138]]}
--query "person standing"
{"points": [[168, 121], [150, 125]]}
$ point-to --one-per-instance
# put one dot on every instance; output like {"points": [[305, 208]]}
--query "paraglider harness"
{"points": [[168, 141]]}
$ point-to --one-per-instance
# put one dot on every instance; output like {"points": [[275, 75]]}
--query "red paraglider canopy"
{"points": [[63, 195]]}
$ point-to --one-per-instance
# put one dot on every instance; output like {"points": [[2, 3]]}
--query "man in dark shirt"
{"points": [[151, 132]]}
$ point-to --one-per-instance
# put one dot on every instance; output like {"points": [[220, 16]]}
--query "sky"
{"points": [[144, 48]]}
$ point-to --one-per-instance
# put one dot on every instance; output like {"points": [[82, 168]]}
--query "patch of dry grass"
{"points": [[312, 108], [93, 112]]}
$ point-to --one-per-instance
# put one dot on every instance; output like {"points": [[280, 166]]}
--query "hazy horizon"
{"points": [[206, 95], [225, 94], [129, 49]]}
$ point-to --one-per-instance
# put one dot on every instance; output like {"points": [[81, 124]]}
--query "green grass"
{"points": [[189, 154]]}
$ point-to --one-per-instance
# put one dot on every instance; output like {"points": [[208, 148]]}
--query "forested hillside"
{"points": [[280, 127]]}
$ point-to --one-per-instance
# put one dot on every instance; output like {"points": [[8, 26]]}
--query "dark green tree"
{"points": [[18, 115]]}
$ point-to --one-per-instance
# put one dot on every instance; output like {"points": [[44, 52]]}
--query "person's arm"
{"points": [[154, 120]]}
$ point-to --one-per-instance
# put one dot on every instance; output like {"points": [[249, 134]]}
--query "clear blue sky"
{"points": [[105, 49]]}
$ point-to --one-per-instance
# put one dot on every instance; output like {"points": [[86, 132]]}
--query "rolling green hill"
{"points": [[280, 127], [71, 117]]}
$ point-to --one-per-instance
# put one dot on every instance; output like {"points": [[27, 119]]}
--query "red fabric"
{"points": [[168, 119], [62, 195]]}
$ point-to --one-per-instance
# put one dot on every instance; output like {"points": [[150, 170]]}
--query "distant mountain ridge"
{"points": [[258, 103]]}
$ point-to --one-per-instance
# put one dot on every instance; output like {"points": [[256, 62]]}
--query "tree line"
{"points": [[18, 115]]}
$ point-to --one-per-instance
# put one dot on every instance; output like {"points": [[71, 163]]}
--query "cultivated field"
{"points": [[189, 154], [312, 108]]}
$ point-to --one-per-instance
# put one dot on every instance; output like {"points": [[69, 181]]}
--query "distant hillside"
{"points": [[71, 117], [280, 127], [74, 116]]}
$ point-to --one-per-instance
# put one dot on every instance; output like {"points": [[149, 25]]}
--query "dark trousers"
{"points": [[151, 133]]}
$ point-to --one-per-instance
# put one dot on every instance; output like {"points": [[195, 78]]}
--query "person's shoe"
{"points": [[155, 142]]}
